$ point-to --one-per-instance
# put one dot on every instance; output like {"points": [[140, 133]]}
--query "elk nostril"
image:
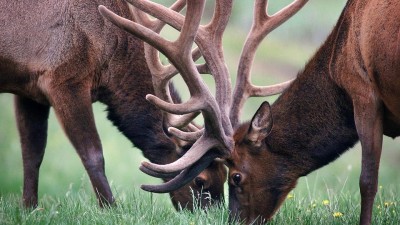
{"points": [[199, 182]]}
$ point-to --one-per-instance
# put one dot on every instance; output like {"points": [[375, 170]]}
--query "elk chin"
{"points": [[256, 207]]}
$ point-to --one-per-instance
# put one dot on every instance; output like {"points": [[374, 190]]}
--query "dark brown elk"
{"points": [[63, 54], [348, 92]]}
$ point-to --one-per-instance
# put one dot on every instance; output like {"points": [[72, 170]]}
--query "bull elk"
{"points": [[348, 92], [63, 54]]}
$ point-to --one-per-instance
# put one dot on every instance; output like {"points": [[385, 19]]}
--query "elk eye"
{"points": [[199, 182], [237, 178]]}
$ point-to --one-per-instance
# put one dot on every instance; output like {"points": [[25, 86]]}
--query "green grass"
{"points": [[80, 207], [136, 207], [337, 208]]}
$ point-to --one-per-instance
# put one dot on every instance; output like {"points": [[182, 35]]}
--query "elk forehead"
{"points": [[239, 153], [241, 132]]}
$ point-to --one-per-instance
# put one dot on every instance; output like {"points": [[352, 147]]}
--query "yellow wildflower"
{"points": [[290, 196], [387, 204], [325, 202], [337, 214]]}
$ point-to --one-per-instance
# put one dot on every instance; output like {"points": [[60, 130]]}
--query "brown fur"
{"points": [[63, 54], [349, 91]]}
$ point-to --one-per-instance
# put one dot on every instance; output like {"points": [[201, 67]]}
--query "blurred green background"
{"points": [[280, 56]]}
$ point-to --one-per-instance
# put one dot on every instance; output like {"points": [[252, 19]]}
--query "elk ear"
{"points": [[261, 125]]}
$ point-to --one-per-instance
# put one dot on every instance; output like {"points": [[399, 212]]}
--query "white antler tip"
{"points": [[171, 129], [150, 97], [145, 163]]}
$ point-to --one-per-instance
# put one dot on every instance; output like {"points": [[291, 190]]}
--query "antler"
{"points": [[263, 24], [161, 74], [215, 140], [183, 178], [217, 129]]}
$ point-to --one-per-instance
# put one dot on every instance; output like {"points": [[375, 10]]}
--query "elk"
{"points": [[347, 92], [63, 54]]}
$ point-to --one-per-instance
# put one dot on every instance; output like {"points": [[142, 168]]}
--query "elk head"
{"points": [[258, 181], [206, 189], [220, 113]]}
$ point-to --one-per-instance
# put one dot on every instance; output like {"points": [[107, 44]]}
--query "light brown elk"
{"points": [[63, 54], [348, 92]]}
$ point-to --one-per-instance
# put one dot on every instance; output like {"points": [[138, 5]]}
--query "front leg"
{"points": [[73, 108], [368, 119], [32, 126]]}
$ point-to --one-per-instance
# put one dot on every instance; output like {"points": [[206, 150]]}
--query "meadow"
{"points": [[327, 196]]}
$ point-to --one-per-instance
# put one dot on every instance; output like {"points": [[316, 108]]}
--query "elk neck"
{"points": [[122, 86], [313, 118], [140, 121]]}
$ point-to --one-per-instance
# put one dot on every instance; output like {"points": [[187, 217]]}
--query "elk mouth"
{"points": [[234, 206], [191, 199], [255, 207]]}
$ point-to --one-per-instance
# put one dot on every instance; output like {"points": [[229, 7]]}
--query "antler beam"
{"points": [[263, 24]]}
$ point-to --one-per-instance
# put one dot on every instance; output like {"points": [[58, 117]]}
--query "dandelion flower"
{"points": [[325, 202], [337, 214], [290, 196]]}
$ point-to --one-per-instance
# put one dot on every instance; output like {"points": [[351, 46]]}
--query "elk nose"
{"points": [[201, 182]]}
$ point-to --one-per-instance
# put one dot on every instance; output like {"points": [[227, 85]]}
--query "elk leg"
{"points": [[368, 119], [32, 126], [73, 108]]}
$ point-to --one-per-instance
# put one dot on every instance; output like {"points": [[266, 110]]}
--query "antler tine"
{"points": [[220, 19], [158, 175], [180, 55], [210, 43], [140, 31], [155, 25], [183, 178], [263, 24], [161, 74], [199, 148], [186, 136]]}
